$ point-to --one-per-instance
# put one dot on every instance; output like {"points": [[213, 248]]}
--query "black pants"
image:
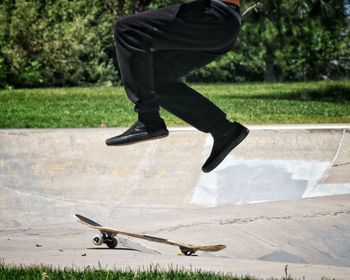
{"points": [[156, 48]]}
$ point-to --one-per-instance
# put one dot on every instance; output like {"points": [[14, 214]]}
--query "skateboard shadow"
{"points": [[120, 249]]}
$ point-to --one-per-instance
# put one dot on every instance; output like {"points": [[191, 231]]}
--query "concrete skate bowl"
{"points": [[280, 196]]}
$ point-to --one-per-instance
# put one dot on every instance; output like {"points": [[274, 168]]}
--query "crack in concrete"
{"points": [[341, 164], [316, 215], [251, 220], [337, 152]]}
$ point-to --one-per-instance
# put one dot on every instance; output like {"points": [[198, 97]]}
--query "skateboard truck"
{"points": [[108, 239], [187, 251]]}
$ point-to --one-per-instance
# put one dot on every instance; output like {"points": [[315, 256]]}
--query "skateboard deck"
{"points": [[107, 236]]}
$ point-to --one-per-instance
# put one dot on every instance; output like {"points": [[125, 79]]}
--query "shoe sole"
{"points": [[140, 140], [226, 151]]}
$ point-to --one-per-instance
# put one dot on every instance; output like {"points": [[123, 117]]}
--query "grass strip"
{"points": [[253, 103], [51, 273]]}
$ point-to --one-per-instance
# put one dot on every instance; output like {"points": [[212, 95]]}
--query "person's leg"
{"points": [[133, 37], [191, 27], [207, 32], [197, 110], [176, 96], [185, 102]]}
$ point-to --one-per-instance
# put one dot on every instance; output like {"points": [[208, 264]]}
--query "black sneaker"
{"points": [[138, 133], [224, 145]]}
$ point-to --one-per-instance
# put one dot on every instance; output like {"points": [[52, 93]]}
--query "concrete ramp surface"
{"points": [[281, 197]]}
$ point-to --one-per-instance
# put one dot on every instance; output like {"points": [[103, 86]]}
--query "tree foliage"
{"points": [[63, 42], [294, 40]]}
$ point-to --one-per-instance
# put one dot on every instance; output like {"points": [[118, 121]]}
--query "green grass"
{"points": [[254, 103], [50, 273]]}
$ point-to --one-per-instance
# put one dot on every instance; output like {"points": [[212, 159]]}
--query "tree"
{"points": [[299, 40], [63, 42]]}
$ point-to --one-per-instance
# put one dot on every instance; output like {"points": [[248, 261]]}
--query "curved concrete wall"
{"points": [[47, 174]]}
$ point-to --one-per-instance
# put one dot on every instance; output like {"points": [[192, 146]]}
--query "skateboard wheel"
{"points": [[111, 243], [97, 240]]}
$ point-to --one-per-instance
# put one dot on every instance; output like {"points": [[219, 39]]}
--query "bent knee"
{"points": [[119, 26]]}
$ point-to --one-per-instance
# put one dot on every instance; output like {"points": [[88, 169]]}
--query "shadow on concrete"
{"points": [[329, 93], [117, 249]]}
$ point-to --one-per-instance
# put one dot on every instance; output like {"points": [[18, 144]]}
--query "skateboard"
{"points": [[107, 236]]}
